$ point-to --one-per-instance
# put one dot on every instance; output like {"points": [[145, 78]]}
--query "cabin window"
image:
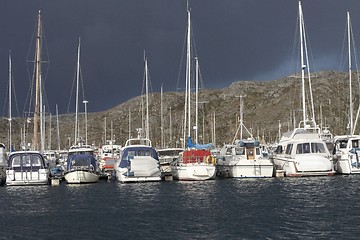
{"points": [[303, 148], [342, 144], [144, 153], [228, 151], [26, 161], [306, 148], [279, 149], [288, 149], [355, 143], [239, 151], [16, 161], [81, 162], [318, 148], [257, 151]]}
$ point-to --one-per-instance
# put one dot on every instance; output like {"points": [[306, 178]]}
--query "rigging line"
{"points": [[15, 97], [29, 97], [342, 57], [82, 84], [71, 92], [181, 61]]}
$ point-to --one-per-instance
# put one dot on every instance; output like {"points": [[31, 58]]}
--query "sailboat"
{"points": [[196, 161], [302, 152], [29, 167], [346, 147], [81, 165], [139, 161]]}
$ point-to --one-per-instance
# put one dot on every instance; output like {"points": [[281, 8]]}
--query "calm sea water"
{"points": [[287, 208]]}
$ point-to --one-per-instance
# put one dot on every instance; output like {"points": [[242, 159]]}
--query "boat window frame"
{"points": [[289, 148]]}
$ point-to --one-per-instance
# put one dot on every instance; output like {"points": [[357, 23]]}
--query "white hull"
{"points": [[22, 178], [193, 171], [344, 166], [124, 179], [246, 169], [142, 169], [306, 166], [347, 154], [79, 176]]}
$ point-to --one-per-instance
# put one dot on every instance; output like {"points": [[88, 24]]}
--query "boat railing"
{"points": [[138, 141]]}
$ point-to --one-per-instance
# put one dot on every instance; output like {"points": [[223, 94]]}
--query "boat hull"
{"points": [[346, 166], [246, 169], [193, 172], [23, 178], [81, 177], [306, 166], [121, 177]]}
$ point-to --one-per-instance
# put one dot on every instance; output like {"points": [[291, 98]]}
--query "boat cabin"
{"points": [[81, 162]]}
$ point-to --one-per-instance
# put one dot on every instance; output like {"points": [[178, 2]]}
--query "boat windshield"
{"points": [[304, 148], [139, 151], [81, 162], [26, 161]]}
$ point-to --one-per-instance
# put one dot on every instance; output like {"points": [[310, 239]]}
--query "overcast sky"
{"points": [[235, 40]]}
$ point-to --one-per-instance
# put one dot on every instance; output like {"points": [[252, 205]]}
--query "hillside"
{"points": [[265, 105]]}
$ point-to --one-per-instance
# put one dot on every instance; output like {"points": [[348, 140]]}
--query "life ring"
{"points": [[210, 160]]}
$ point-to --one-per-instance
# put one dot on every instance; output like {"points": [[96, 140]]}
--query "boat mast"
{"points": [[129, 124], [241, 116], [303, 66], [57, 127], [10, 87], [188, 71], [37, 79], [147, 98], [196, 97], [86, 122], [350, 70], [77, 93], [162, 117], [105, 137]]}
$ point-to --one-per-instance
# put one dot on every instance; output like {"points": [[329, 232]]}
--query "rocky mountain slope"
{"points": [[266, 105]]}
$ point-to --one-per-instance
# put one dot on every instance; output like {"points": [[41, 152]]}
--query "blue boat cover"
{"points": [[80, 160], [130, 152], [198, 146]]}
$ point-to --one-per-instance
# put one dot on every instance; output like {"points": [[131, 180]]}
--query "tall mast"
{"points": [[303, 66], [188, 70], [10, 87], [77, 94], [196, 98], [57, 127], [129, 124], [147, 99], [86, 122], [170, 128], [50, 122], [105, 137], [241, 116], [37, 79], [350, 70], [162, 117]]}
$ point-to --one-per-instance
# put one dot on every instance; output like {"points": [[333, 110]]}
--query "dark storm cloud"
{"points": [[235, 40]]}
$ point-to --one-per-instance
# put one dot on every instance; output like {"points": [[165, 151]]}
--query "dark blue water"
{"points": [[287, 208]]}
